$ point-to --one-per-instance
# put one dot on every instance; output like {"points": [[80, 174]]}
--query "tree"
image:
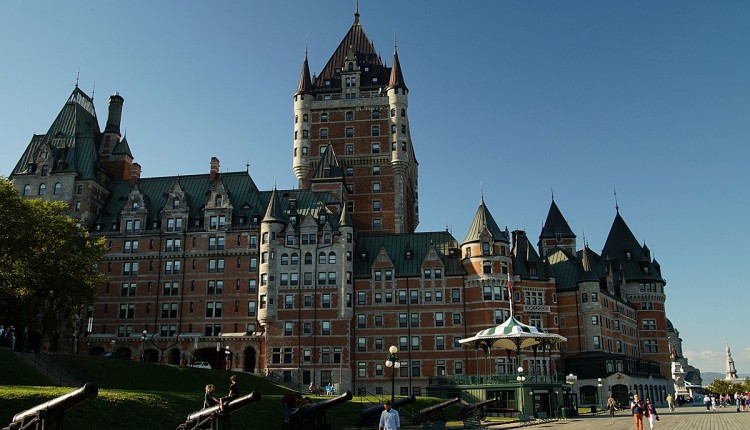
{"points": [[47, 263], [721, 386]]}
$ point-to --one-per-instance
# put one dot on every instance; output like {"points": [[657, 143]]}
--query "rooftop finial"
{"points": [[356, 12], [481, 191], [553, 193], [617, 206], [305, 47], [93, 90], [78, 75], [247, 167], [395, 40]]}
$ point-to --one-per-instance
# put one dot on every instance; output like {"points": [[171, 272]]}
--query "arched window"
{"points": [[332, 258], [45, 170], [57, 189], [308, 258], [296, 118], [350, 67], [218, 200], [393, 112], [284, 258], [403, 111], [304, 118], [295, 258], [26, 190], [42, 188], [322, 258]]}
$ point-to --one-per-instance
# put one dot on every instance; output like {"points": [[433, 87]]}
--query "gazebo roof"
{"points": [[512, 334]]}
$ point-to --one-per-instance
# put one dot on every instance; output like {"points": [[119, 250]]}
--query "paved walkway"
{"points": [[684, 418]]}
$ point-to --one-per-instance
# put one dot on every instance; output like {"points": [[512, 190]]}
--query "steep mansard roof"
{"points": [[243, 194], [357, 43], [623, 247], [555, 223], [396, 247], [72, 140], [483, 220], [526, 261]]}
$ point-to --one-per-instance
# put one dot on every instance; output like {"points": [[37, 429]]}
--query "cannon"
{"points": [[371, 415], [474, 410], [434, 412], [51, 413], [214, 418], [313, 416]]}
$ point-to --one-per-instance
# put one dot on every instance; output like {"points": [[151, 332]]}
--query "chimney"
{"points": [[115, 114], [135, 174], [214, 169]]}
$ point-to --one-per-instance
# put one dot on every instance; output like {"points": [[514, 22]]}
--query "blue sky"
{"points": [[518, 98]]}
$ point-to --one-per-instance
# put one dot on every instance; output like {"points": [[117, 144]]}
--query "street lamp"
{"points": [[392, 361], [144, 336], [599, 390], [520, 378], [218, 360]]}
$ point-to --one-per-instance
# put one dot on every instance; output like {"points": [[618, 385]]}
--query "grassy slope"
{"points": [[146, 395]]}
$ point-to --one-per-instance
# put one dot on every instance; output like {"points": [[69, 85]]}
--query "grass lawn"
{"points": [[155, 396]]}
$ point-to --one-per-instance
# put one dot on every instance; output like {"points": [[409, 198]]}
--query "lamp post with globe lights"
{"points": [[599, 391], [144, 337], [520, 378], [392, 361]]}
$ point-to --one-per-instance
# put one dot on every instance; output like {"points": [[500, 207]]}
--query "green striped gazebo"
{"points": [[513, 335]]}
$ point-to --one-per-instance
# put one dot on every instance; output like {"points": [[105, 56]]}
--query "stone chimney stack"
{"points": [[135, 174], [214, 169], [115, 114]]}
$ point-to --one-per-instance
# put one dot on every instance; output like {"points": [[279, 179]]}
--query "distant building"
{"points": [[314, 284], [686, 378], [731, 371]]}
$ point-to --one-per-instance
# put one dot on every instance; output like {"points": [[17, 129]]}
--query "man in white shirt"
{"points": [[389, 419]]}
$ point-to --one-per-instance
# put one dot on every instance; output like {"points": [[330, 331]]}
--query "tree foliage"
{"points": [[722, 386], [47, 263]]}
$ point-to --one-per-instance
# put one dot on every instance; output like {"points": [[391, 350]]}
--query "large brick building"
{"points": [[314, 284]]}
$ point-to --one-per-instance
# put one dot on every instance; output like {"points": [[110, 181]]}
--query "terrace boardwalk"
{"points": [[686, 417]]}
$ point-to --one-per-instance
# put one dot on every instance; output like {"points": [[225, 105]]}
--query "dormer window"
{"points": [[218, 200], [322, 218], [628, 255], [485, 248], [176, 204], [408, 254], [350, 66], [45, 170], [558, 237]]}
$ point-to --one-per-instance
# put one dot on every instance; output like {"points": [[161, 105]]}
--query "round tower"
{"points": [[398, 103], [303, 99], [271, 226]]}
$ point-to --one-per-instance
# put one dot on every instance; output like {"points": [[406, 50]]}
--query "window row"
{"points": [[436, 319], [403, 297], [57, 190]]}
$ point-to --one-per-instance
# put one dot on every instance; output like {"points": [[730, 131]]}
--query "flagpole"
{"points": [[510, 295]]}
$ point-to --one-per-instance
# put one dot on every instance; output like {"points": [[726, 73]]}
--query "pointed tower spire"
{"points": [[397, 78], [305, 83], [356, 13], [274, 212]]}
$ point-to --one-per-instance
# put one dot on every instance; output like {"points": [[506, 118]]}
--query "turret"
{"points": [[273, 224], [303, 99], [398, 103]]}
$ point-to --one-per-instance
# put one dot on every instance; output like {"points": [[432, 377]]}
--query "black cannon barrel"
{"points": [[58, 405], [467, 411], [230, 407], [317, 408], [433, 411], [372, 413]]}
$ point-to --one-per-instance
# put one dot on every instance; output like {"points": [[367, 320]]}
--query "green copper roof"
{"points": [[397, 245], [72, 139], [483, 220]]}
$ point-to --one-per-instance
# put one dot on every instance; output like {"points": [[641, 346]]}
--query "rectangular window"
{"points": [[402, 321], [439, 319], [376, 130], [350, 132], [440, 343]]}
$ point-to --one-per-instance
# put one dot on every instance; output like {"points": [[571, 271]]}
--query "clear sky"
{"points": [[518, 98]]}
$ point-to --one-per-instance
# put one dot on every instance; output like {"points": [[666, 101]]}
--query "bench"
{"points": [[506, 412], [474, 424]]}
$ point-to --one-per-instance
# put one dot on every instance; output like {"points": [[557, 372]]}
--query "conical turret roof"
{"points": [[483, 220], [305, 83], [397, 78], [555, 223]]}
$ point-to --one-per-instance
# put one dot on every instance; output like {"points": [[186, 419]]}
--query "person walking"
{"points": [[670, 402], [707, 402], [389, 419], [638, 408], [651, 413], [713, 403], [611, 405]]}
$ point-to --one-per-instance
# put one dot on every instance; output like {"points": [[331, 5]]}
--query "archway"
{"points": [[96, 350], [210, 355], [151, 356], [174, 356], [124, 353], [620, 394], [249, 359]]}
